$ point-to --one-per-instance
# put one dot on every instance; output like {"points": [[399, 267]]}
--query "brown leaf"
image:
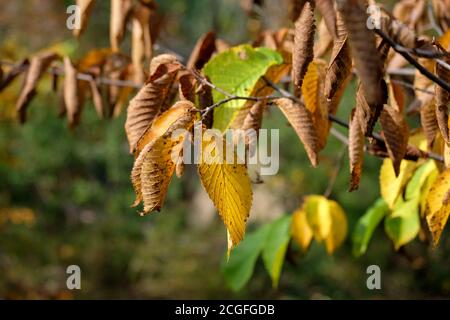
{"points": [[146, 105], [325, 41], [205, 99], [301, 120], [137, 50], [72, 96], [12, 74], [155, 165], [326, 9], [85, 11], [38, 66], [396, 134], [367, 114], [441, 9], [303, 43], [203, 50], [187, 86], [97, 98], [120, 10], [428, 119], [398, 31], [295, 9], [355, 150], [442, 99], [340, 68], [365, 54]]}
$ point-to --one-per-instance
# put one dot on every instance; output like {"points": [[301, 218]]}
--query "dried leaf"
{"points": [[301, 120], [155, 165], [203, 51], [428, 119], [229, 187], [38, 66], [365, 54], [187, 86], [85, 7], [325, 41], [326, 9], [295, 9], [438, 207], [356, 151], [12, 74], [146, 105], [340, 68], [442, 99], [72, 95], [303, 43], [137, 50], [396, 134], [120, 10], [97, 98], [367, 114]]}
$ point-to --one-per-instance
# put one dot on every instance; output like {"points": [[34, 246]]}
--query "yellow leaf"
{"points": [[438, 205], [392, 186], [229, 187], [444, 40], [301, 231], [339, 227], [318, 215]]}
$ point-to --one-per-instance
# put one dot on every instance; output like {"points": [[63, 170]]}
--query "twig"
{"points": [[410, 59], [335, 173], [409, 85]]}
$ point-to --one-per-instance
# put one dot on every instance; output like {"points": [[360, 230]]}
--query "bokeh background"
{"points": [[65, 194]]}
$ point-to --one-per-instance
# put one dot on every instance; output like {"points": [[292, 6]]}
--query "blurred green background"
{"points": [[65, 194]]}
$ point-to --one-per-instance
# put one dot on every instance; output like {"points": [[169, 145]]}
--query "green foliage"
{"points": [[275, 247], [237, 71], [366, 226]]}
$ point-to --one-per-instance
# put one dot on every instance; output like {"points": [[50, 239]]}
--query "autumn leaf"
{"points": [[120, 10], [155, 165], [303, 43], [318, 216], [339, 227], [326, 9], [301, 120], [229, 187], [437, 205], [85, 7], [396, 134], [340, 67], [356, 143], [442, 99], [38, 66], [403, 224], [203, 51], [391, 186], [366, 57], [12, 74], [146, 105], [72, 95], [301, 231]]}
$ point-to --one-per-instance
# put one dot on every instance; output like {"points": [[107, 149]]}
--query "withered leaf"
{"points": [[428, 120], [367, 114], [302, 121], [120, 10], [442, 99], [325, 41], [15, 71], [303, 43], [85, 7], [203, 50], [355, 150], [364, 51], [38, 66], [326, 9], [340, 67], [396, 135], [187, 86], [155, 165], [97, 98], [295, 8], [72, 96], [144, 107]]}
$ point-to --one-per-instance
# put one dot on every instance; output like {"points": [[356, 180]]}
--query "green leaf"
{"points": [[239, 268], [237, 71], [414, 187], [366, 225], [403, 225], [275, 247]]}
